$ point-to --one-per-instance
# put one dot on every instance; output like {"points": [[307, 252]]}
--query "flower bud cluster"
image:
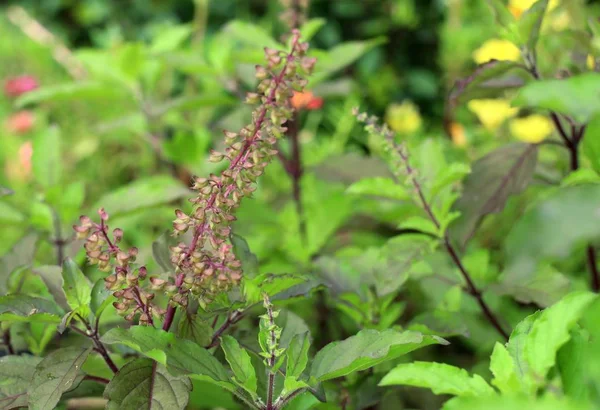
{"points": [[125, 277], [397, 153], [269, 335], [207, 266], [295, 12]]}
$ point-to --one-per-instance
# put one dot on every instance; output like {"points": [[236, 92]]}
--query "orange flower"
{"points": [[20, 122], [457, 132], [306, 100]]}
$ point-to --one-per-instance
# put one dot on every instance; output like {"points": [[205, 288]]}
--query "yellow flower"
{"points": [[591, 62], [532, 129], [496, 49], [518, 7], [404, 118], [492, 113]]}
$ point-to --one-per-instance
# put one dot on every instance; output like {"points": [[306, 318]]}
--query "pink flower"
{"points": [[14, 87]]}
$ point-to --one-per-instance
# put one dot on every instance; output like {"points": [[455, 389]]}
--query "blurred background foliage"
{"points": [[131, 95]]}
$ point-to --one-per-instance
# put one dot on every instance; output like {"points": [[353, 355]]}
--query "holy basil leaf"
{"points": [[297, 355], [162, 253], [21, 254], [55, 375], [496, 402], [240, 363], [495, 177], [488, 80], [145, 384], [77, 287], [439, 377], [502, 367], [366, 349], [552, 329], [143, 193], [382, 187], [245, 256], [52, 277], [101, 298], [572, 362], [182, 356], [16, 373], [530, 23], [553, 228], [147, 340], [24, 308], [194, 328], [576, 96]]}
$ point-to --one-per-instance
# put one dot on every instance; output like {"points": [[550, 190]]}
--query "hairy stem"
{"points": [[231, 320], [92, 334]]}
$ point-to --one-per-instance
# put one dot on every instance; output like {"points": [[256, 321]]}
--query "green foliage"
{"points": [[468, 211]]}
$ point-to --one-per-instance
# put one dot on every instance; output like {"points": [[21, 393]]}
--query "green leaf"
{"points": [[502, 367], [21, 254], [147, 340], [297, 355], [240, 363], [366, 349], [52, 277], [548, 402], [162, 253], [145, 384], [452, 173], [24, 308], [542, 286], [9, 214], [46, 161], [439, 377], [382, 187], [516, 348], [553, 228], [575, 96], [503, 16], [182, 356], [488, 80], [143, 193], [192, 103], [245, 256], [55, 375], [551, 331], [572, 362], [86, 91], [271, 284], [77, 287], [530, 23], [341, 56], [421, 224], [590, 145], [581, 176], [495, 177], [251, 34], [194, 328], [171, 38], [16, 374], [101, 298], [311, 27]]}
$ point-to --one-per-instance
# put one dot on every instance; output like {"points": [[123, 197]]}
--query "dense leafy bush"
{"points": [[256, 238]]}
